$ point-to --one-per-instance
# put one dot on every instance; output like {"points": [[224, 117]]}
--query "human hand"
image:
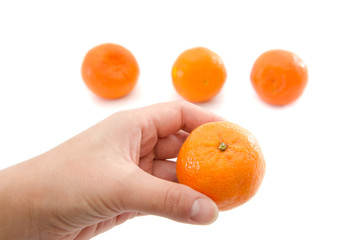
{"points": [[113, 171]]}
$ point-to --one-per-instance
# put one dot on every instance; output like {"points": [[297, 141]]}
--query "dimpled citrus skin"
{"points": [[230, 177]]}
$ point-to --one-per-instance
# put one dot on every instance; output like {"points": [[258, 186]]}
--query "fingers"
{"points": [[165, 148], [161, 138], [169, 118], [160, 168], [178, 202], [168, 147], [165, 170]]}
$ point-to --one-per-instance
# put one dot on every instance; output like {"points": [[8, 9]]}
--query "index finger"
{"points": [[170, 117]]}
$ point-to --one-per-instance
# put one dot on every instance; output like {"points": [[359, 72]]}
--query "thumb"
{"points": [[152, 195]]}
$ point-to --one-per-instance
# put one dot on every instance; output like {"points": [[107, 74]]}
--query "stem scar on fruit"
{"points": [[222, 146], [223, 161]]}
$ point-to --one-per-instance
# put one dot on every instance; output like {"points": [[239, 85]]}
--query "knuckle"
{"points": [[174, 203]]}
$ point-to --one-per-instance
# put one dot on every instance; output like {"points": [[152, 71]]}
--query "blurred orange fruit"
{"points": [[223, 161], [279, 77], [198, 74], [110, 71]]}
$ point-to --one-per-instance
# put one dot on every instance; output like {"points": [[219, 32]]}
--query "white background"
{"points": [[312, 187]]}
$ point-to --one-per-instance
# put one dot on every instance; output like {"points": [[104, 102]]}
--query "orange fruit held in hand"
{"points": [[223, 161], [198, 74], [279, 77], [110, 71]]}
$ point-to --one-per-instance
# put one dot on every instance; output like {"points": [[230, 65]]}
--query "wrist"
{"points": [[15, 205]]}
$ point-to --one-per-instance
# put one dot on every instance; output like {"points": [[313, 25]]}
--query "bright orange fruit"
{"points": [[279, 77], [110, 71], [222, 160], [198, 74]]}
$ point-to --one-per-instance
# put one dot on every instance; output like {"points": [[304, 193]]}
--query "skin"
{"points": [[111, 172]]}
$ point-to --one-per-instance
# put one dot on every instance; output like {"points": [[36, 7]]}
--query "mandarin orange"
{"points": [[223, 161], [198, 74], [279, 77], [110, 71]]}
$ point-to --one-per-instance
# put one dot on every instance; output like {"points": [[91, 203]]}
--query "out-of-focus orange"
{"points": [[110, 71], [279, 77], [198, 74]]}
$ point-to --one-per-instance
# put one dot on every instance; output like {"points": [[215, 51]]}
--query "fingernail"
{"points": [[204, 211]]}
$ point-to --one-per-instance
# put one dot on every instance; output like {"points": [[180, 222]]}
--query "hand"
{"points": [[114, 171]]}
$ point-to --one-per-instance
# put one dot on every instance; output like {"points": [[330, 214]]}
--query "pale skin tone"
{"points": [[113, 171]]}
